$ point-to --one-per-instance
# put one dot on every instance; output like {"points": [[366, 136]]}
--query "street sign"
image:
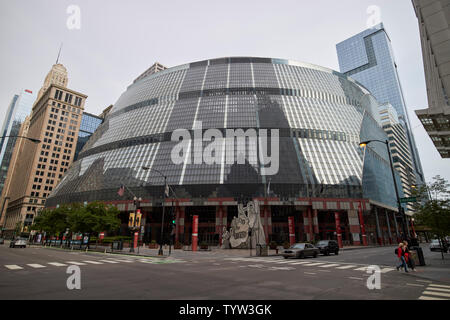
{"points": [[410, 199]]}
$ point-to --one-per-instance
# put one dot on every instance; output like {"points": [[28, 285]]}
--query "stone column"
{"points": [[180, 223], [338, 228], [355, 230], [306, 224], [379, 234], [396, 227], [219, 215], [388, 226], [315, 223]]}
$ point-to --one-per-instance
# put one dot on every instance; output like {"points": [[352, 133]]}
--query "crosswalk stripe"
{"points": [[13, 266], [330, 265], [314, 264], [433, 293], [284, 261], [438, 289], [386, 270], [347, 267], [76, 263], [301, 262], [430, 298], [438, 285], [109, 261], [361, 269], [57, 264], [35, 265], [93, 262], [124, 260]]}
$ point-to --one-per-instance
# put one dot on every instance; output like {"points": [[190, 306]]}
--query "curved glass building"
{"points": [[315, 118]]}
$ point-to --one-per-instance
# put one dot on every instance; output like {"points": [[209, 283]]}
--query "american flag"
{"points": [[121, 190]]}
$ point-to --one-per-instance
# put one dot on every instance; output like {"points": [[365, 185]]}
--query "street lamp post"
{"points": [[400, 209], [160, 252]]}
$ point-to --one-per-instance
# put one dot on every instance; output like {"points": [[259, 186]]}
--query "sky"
{"points": [[114, 41]]}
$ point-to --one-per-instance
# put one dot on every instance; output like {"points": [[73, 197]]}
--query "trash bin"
{"points": [[417, 254], [262, 250]]}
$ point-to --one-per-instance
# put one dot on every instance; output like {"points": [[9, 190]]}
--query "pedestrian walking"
{"points": [[408, 257], [400, 252]]}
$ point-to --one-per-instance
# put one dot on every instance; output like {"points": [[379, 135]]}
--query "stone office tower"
{"points": [[55, 120]]}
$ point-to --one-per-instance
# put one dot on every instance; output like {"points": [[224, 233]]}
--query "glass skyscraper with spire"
{"points": [[18, 110], [369, 59]]}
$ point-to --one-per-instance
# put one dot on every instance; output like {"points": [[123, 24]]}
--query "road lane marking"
{"points": [[92, 262], [347, 267], [430, 298], [124, 260], [433, 293], [284, 261], [439, 285], [386, 270], [314, 264], [57, 264], [109, 261], [309, 272], [35, 265], [13, 267], [329, 265], [427, 281]]}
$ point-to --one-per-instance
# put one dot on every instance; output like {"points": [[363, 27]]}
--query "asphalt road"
{"points": [[39, 273]]}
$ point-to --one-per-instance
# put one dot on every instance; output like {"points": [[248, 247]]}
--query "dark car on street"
{"points": [[328, 246], [301, 250]]}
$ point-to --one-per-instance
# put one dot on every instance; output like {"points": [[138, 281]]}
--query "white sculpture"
{"points": [[248, 219]]}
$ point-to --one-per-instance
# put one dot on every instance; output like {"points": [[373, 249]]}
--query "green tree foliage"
{"points": [[94, 218], [433, 207]]}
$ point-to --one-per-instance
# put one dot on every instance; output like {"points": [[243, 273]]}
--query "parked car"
{"points": [[328, 246], [2, 241], [19, 242], [435, 246], [301, 250]]}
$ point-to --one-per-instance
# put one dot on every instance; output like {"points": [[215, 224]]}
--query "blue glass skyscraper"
{"points": [[89, 123], [368, 58], [19, 108]]}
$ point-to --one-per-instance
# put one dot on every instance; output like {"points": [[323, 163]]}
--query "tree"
{"points": [[433, 210], [95, 217]]}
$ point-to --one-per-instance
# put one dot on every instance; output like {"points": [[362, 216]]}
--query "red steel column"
{"points": [[338, 228], [194, 232], [291, 230]]}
